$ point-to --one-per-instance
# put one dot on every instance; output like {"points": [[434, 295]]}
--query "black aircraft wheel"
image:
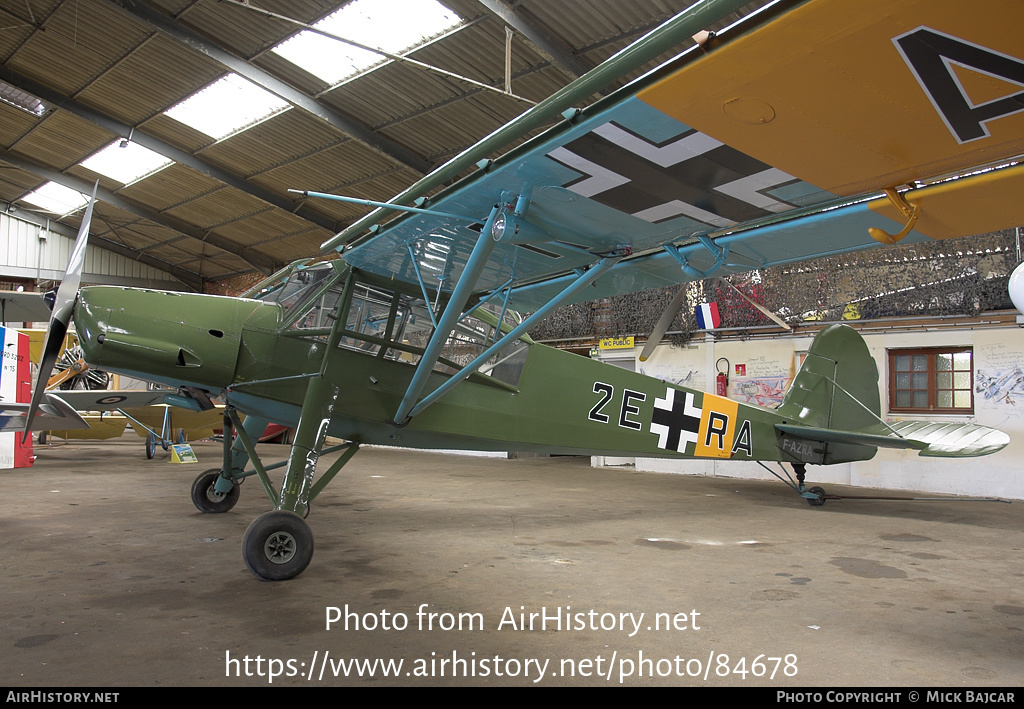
{"points": [[150, 446], [179, 436], [205, 497], [277, 545], [819, 500]]}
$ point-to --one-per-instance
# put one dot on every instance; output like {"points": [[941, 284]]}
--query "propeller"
{"points": [[661, 327], [60, 317]]}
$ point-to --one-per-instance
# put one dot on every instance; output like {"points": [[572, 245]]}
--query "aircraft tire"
{"points": [[150, 446], [278, 545], [206, 500], [819, 500]]}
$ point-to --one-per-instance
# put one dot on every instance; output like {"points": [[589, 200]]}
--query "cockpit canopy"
{"points": [[375, 318]]}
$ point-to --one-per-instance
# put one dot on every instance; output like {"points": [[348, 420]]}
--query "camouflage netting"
{"points": [[937, 278]]}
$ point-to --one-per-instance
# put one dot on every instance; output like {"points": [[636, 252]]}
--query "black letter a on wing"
{"points": [[930, 55]]}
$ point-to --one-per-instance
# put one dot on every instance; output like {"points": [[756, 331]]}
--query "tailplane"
{"points": [[834, 403]]}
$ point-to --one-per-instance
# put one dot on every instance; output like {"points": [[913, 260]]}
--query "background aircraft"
{"points": [[738, 154]]}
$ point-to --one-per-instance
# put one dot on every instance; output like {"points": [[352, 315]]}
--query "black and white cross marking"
{"points": [[676, 421], [691, 175]]}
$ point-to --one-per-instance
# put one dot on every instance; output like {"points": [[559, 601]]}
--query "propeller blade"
{"points": [[63, 309], [763, 310], [661, 327]]}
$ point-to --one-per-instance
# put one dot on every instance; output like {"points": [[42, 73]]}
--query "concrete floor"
{"points": [[110, 577]]}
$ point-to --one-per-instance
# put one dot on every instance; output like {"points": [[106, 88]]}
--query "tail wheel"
{"points": [[277, 545]]}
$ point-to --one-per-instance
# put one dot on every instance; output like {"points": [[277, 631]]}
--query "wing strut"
{"points": [[581, 282], [452, 314]]}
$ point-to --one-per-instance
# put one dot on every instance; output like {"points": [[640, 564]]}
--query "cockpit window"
{"points": [[374, 317], [299, 286], [306, 297], [317, 314]]}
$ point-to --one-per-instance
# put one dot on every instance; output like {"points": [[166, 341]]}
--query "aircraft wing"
{"points": [[59, 410], [54, 413], [774, 143], [110, 399], [23, 307]]}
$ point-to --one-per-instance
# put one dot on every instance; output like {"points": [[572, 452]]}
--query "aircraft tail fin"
{"points": [[837, 386], [834, 400]]}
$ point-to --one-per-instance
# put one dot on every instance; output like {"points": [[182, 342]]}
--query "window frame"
{"points": [[932, 372]]}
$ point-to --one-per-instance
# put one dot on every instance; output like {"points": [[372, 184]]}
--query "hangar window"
{"points": [[931, 380]]}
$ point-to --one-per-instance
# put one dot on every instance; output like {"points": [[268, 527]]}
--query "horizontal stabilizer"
{"points": [[952, 440], [53, 414], [948, 440], [830, 435]]}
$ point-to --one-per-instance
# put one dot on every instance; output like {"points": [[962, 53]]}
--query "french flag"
{"points": [[707, 316]]}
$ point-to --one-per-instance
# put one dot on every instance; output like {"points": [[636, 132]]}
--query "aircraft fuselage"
{"points": [[260, 355]]}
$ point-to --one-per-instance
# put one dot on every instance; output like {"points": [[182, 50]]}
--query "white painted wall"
{"points": [[999, 402], [28, 250]]}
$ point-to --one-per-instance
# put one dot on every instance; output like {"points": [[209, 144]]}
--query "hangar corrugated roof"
{"points": [[109, 69]]}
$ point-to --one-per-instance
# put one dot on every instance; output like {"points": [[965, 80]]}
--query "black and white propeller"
{"points": [[60, 317]]}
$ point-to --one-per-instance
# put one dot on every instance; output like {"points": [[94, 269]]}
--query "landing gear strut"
{"points": [[278, 545], [815, 497], [215, 491]]}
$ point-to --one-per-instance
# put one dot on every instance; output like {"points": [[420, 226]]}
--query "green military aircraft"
{"points": [[737, 154]]}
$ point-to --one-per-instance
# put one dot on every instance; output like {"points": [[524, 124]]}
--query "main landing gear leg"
{"points": [[217, 489], [278, 545]]}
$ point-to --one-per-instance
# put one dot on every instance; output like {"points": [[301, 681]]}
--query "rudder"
{"points": [[837, 385]]}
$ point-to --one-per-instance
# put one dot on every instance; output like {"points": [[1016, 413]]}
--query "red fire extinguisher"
{"points": [[722, 380]]}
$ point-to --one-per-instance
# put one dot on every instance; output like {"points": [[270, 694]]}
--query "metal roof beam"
{"points": [[160, 147], [257, 260], [348, 125], [560, 55]]}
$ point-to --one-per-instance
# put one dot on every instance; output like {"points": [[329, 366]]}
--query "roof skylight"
{"points": [[227, 106], [391, 25], [56, 199], [126, 164]]}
